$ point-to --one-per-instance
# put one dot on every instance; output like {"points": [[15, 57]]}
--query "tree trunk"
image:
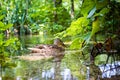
{"points": [[72, 9], [57, 3]]}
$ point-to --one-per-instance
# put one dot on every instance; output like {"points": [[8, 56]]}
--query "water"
{"points": [[110, 70], [46, 70], [70, 67]]}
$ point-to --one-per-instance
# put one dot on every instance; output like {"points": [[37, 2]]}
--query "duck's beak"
{"points": [[64, 45], [59, 43]]}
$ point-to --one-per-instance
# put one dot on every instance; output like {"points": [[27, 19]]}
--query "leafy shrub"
{"points": [[7, 46]]}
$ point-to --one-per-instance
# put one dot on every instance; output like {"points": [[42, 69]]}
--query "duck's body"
{"points": [[49, 50]]}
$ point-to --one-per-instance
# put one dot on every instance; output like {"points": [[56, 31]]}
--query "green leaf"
{"points": [[1, 25], [8, 26], [95, 26], [91, 12], [102, 12], [101, 4], [5, 27], [1, 17], [77, 27], [87, 6], [10, 41], [1, 39], [76, 43]]}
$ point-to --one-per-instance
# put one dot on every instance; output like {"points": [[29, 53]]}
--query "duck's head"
{"points": [[59, 43]]}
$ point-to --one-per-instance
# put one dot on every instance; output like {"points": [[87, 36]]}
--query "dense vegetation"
{"points": [[80, 21]]}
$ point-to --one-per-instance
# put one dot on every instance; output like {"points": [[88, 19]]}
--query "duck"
{"points": [[56, 49]]}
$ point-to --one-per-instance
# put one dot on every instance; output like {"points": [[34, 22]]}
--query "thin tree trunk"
{"points": [[57, 3], [72, 9]]}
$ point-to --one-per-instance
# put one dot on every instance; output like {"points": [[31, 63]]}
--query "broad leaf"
{"points": [[8, 26], [102, 12], [1, 25], [95, 26], [1, 17], [76, 43], [77, 27], [87, 6]]}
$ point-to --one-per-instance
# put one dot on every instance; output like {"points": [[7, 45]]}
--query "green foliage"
{"points": [[77, 27], [1, 17], [7, 50], [7, 46], [4, 27], [97, 17], [73, 61], [90, 4], [102, 12], [96, 8], [34, 13], [63, 17], [56, 28], [76, 43], [87, 6], [44, 14], [95, 26], [101, 4]]}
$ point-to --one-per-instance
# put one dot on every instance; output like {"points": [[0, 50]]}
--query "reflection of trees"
{"points": [[57, 71], [57, 66], [57, 58], [111, 70], [95, 72]]}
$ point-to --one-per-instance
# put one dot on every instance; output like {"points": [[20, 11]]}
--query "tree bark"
{"points": [[72, 9]]}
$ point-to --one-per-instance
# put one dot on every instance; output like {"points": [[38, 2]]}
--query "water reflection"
{"points": [[103, 72], [64, 75], [93, 72], [110, 70], [47, 74], [45, 70], [73, 69], [56, 73]]}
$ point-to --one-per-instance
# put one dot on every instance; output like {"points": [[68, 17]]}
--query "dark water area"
{"points": [[72, 66]]}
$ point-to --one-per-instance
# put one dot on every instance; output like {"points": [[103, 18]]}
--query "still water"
{"points": [[72, 66]]}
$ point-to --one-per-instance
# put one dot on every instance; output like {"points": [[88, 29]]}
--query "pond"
{"points": [[72, 66]]}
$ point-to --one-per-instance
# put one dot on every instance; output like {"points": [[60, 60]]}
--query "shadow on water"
{"points": [[71, 66]]}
